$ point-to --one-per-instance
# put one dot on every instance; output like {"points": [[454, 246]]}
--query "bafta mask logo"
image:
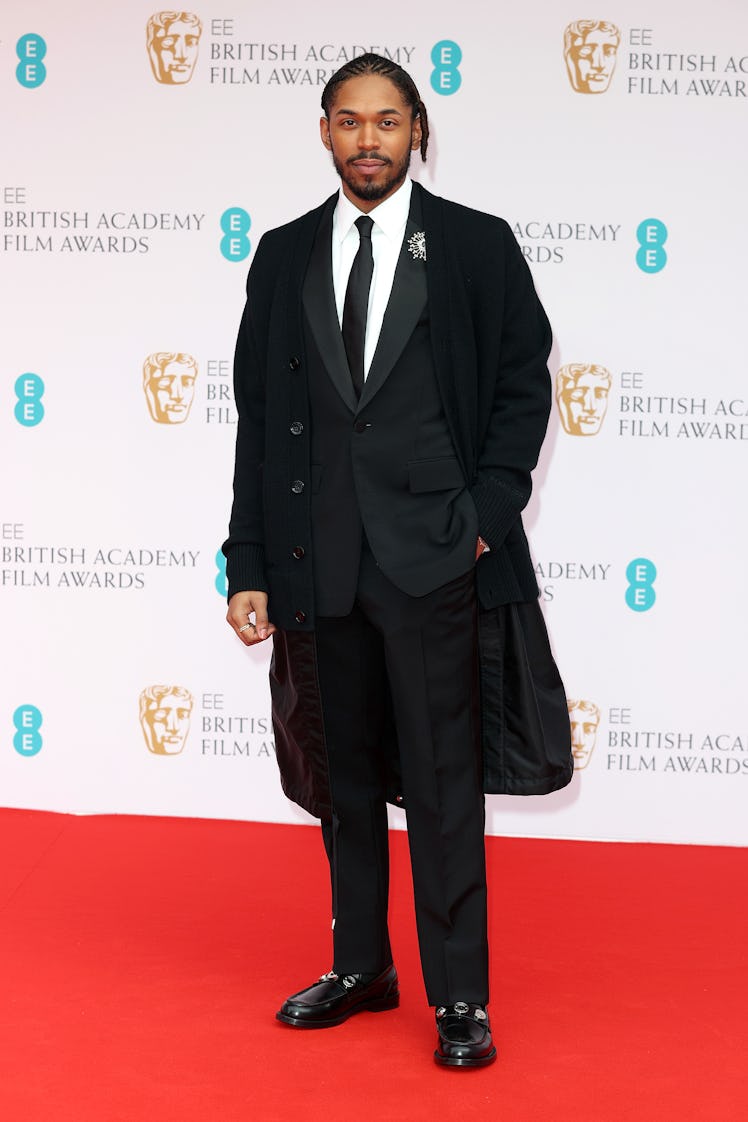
{"points": [[165, 718], [172, 39], [590, 50], [169, 386], [582, 397], [584, 717]]}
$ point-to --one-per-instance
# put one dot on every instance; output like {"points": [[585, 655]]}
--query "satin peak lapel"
{"points": [[407, 301], [319, 305]]}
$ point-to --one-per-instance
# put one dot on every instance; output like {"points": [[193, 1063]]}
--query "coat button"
{"points": [[297, 486], [296, 428], [361, 426], [294, 363], [298, 552], [300, 616]]}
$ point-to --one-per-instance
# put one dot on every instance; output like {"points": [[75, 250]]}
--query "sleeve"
{"points": [[244, 547], [515, 415]]}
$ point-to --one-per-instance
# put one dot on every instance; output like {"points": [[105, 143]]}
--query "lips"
{"points": [[369, 166]]}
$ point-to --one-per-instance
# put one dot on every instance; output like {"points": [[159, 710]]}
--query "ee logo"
{"points": [[235, 223], [27, 720], [641, 574], [651, 235], [445, 77], [29, 410], [31, 71], [221, 583]]}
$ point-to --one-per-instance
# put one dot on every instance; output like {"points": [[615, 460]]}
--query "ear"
{"points": [[324, 132], [415, 134]]}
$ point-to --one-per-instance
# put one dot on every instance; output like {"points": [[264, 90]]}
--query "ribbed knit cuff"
{"points": [[245, 569], [498, 509]]}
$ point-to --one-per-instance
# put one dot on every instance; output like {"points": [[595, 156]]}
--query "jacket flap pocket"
{"points": [[435, 475]]}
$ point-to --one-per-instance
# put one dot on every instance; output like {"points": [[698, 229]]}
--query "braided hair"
{"points": [[386, 68]]}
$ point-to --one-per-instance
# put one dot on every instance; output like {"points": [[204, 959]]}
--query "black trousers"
{"points": [[424, 651]]}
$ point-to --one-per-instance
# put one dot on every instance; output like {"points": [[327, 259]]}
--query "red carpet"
{"points": [[143, 959]]}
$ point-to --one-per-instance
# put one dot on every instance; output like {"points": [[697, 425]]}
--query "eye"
{"points": [[388, 123]]}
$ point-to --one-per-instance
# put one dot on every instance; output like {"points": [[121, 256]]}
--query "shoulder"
{"points": [[466, 226], [276, 248], [287, 234]]}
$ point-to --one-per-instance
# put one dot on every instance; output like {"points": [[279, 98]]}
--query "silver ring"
{"points": [[245, 627]]}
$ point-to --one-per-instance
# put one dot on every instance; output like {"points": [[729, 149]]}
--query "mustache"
{"points": [[369, 159]]}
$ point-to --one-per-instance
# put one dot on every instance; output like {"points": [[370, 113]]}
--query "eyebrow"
{"points": [[380, 113]]}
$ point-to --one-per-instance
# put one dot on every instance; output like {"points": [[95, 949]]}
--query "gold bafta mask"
{"points": [[165, 718], [582, 397], [172, 39], [169, 386], [590, 50], [584, 717]]}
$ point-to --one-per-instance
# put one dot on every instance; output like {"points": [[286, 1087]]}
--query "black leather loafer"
{"points": [[464, 1036], [334, 998]]}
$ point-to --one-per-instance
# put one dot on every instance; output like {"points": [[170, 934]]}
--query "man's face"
{"points": [[583, 404], [371, 133], [583, 736], [592, 60], [171, 392], [166, 724], [176, 52]]}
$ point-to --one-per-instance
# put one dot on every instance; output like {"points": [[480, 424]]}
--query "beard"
{"points": [[368, 191]]}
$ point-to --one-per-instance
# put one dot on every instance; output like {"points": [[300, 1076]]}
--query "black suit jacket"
{"points": [[490, 341]]}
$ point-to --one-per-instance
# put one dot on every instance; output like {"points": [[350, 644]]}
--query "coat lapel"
{"points": [[404, 307], [319, 305]]}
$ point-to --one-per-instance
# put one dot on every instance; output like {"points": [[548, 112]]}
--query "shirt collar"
{"points": [[390, 216]]}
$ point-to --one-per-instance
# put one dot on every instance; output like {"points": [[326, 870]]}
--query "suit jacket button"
{"points": [[361, 426], [297, 486], [294, 363], [300, 616], [296, 428], [298, 552]]}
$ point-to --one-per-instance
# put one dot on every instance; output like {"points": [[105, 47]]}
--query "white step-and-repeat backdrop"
{"points": [[144, 153]]}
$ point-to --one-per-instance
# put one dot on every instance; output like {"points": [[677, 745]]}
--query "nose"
{"points": [[588, 401], [179, 48], [597, 58], [172, 724], [176, 390], [368, 139], [576, 736]]}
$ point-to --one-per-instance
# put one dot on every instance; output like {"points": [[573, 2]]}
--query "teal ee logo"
{"points": [[29, 410], [445, 77], [651, 235], [641, 574], [221, 583], [235, 223], [27, 720], [31, 71]]}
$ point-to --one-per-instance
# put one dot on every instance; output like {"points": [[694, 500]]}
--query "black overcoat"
{"points": [[490, 343]]}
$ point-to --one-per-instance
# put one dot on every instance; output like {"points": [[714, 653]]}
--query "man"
{"points": [[169, 386], [165, 713], [590, 51], [582, 391], [172, 41], [392, 396]]}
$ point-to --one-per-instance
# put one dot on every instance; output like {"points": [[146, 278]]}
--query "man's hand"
{"points": [[242, 606]]}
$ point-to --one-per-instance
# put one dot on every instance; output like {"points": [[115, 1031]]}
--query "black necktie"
{"points": [[356, 305]]}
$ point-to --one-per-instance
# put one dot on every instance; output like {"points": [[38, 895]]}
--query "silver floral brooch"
{"points": [[417, 245]]}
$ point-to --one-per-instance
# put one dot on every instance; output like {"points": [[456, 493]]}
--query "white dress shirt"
{"points": [[390, 219]]}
